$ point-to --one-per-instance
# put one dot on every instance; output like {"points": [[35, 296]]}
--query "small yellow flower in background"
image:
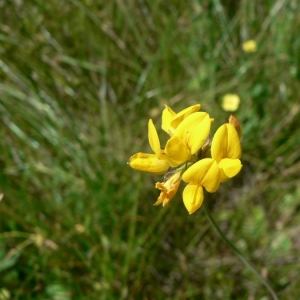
{"points": [[230, 102], [79, 228], [191, 156], [250, 46], [38, 239]]}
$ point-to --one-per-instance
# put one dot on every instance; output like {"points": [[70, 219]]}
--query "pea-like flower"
{"points": [[204, 173], [226, 150], [188, 138], [153, 163], [210, 172]]}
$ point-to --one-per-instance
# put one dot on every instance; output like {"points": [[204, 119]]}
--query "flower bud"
{"points": [[236, 124]]}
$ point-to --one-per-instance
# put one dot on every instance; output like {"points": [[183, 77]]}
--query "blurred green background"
{"points": [[78, 82]]}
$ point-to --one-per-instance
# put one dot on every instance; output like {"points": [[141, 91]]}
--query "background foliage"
{"points": [[78, 82]]}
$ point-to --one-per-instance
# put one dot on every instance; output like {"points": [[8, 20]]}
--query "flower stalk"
{"points": [[237, 252]]}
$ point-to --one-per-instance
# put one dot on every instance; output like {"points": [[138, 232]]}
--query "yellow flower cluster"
{"points": [[190, 155]]}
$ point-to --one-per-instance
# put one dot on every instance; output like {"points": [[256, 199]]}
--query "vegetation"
{"points": [[78, 82]]}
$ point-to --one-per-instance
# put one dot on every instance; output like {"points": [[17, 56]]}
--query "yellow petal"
{"points": [[226, 143], [192, 197], [204, 172], [229, 168], [194, 130], [153, 139], [167, 117], [177, 151], [179, 117], [149, 163], [160, 199], [168, 189]]}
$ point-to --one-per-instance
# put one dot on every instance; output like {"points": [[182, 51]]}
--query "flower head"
{"points": [[197, 160]]}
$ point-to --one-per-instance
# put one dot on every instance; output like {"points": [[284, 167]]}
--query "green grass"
{"points": [[78, 82]]}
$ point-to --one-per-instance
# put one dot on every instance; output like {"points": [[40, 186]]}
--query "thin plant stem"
{"points": [[237, 252]]}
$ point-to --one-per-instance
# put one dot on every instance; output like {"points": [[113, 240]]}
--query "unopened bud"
{"points": [[236, 124]]}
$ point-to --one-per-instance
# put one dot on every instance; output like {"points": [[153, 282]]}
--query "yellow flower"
{"points": [[226, 150], [171, 120], [154, 163], [230, 102], [210, 172], [250, 46], [204, 173], [188, 138], [168, 188]]}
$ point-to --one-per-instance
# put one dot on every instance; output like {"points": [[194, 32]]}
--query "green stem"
{"points": [[237, 252]]}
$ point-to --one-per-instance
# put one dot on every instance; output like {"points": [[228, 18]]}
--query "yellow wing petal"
{"points": [[204, 172], [192, 197], [229, 168], [177, 151]]}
